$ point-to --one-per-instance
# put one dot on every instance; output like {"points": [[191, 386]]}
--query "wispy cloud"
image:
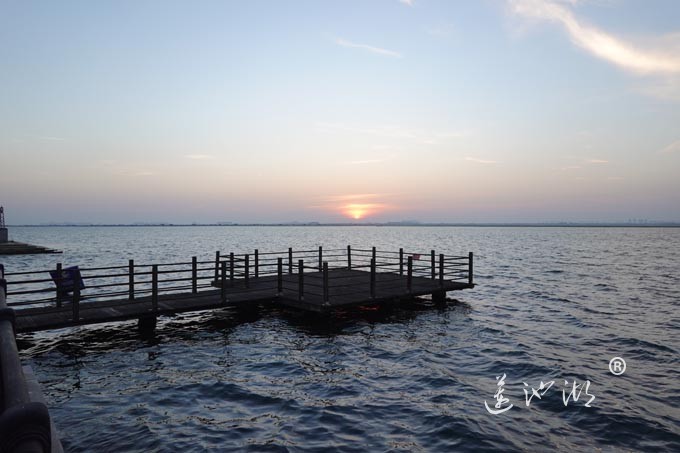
{"points": [[672, 148], [199, 156], [600, 43], [657, 58], [407, 2], [570, 167], [422, 136], [382, 131], [366, 47], [455, 134], [52, 139], [480, 161], [597, 161], [354, 197], [366, 161]]}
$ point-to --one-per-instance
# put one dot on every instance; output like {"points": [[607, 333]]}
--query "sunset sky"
{"points": [[475, 111]]}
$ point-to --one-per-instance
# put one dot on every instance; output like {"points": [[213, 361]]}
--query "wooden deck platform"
{"points": [[331, 279], [20, 248], [350, 287]]}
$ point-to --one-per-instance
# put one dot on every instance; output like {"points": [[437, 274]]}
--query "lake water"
{"points": [[551, 305]]}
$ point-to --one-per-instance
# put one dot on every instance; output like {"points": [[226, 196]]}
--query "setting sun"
{"points": [[358, 211]]}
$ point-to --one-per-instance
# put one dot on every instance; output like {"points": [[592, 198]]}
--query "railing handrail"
{"points": [[138, 279]]}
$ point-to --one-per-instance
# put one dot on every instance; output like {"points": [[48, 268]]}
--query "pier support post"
{"points": [[146, 324], [194, 274], [301, 280], [60, 294], [432, 264], [257, 263], [279, 276], [441, 270], [223, 285], [231, 268], [349, 258], [154, 287], [409, 275], [439, 298], [131, 279], [246, 271], [217, 266], [373, 278], [470, 269]]}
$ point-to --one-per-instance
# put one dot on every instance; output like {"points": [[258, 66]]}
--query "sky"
{"points": [[338, 111]]}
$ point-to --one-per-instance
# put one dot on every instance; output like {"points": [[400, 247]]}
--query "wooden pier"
{"points": [[20, 248], [335, 279], [314, 280]]}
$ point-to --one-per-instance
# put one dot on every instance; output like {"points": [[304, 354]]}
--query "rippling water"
{"points": [[552, 304]]}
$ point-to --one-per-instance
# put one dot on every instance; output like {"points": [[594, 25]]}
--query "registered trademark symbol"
{"points": [[617, 366]]}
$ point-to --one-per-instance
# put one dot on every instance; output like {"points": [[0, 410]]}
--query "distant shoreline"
{"points": [[373, 224]]}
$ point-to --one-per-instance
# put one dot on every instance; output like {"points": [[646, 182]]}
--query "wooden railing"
{"points": [[235, 271]]}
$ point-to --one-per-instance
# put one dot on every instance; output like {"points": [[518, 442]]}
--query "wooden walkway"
{"points": [[336, 278], [350, 289]]}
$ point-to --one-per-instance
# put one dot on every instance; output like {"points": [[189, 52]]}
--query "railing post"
{"points": [[257, 263], [194, 274], [223, 285], [373, 253], [279, 276], [432, 264], [76, 299], [441, 270], [320, 258], [409, 275], [247, 271], [131, 279], [401, 261], [217, 266], [58, 283], [290, 260], [325, 282], [372, 278], [231, 268], [154, 287], [349, 258], [470, 268], [301, 279]]}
